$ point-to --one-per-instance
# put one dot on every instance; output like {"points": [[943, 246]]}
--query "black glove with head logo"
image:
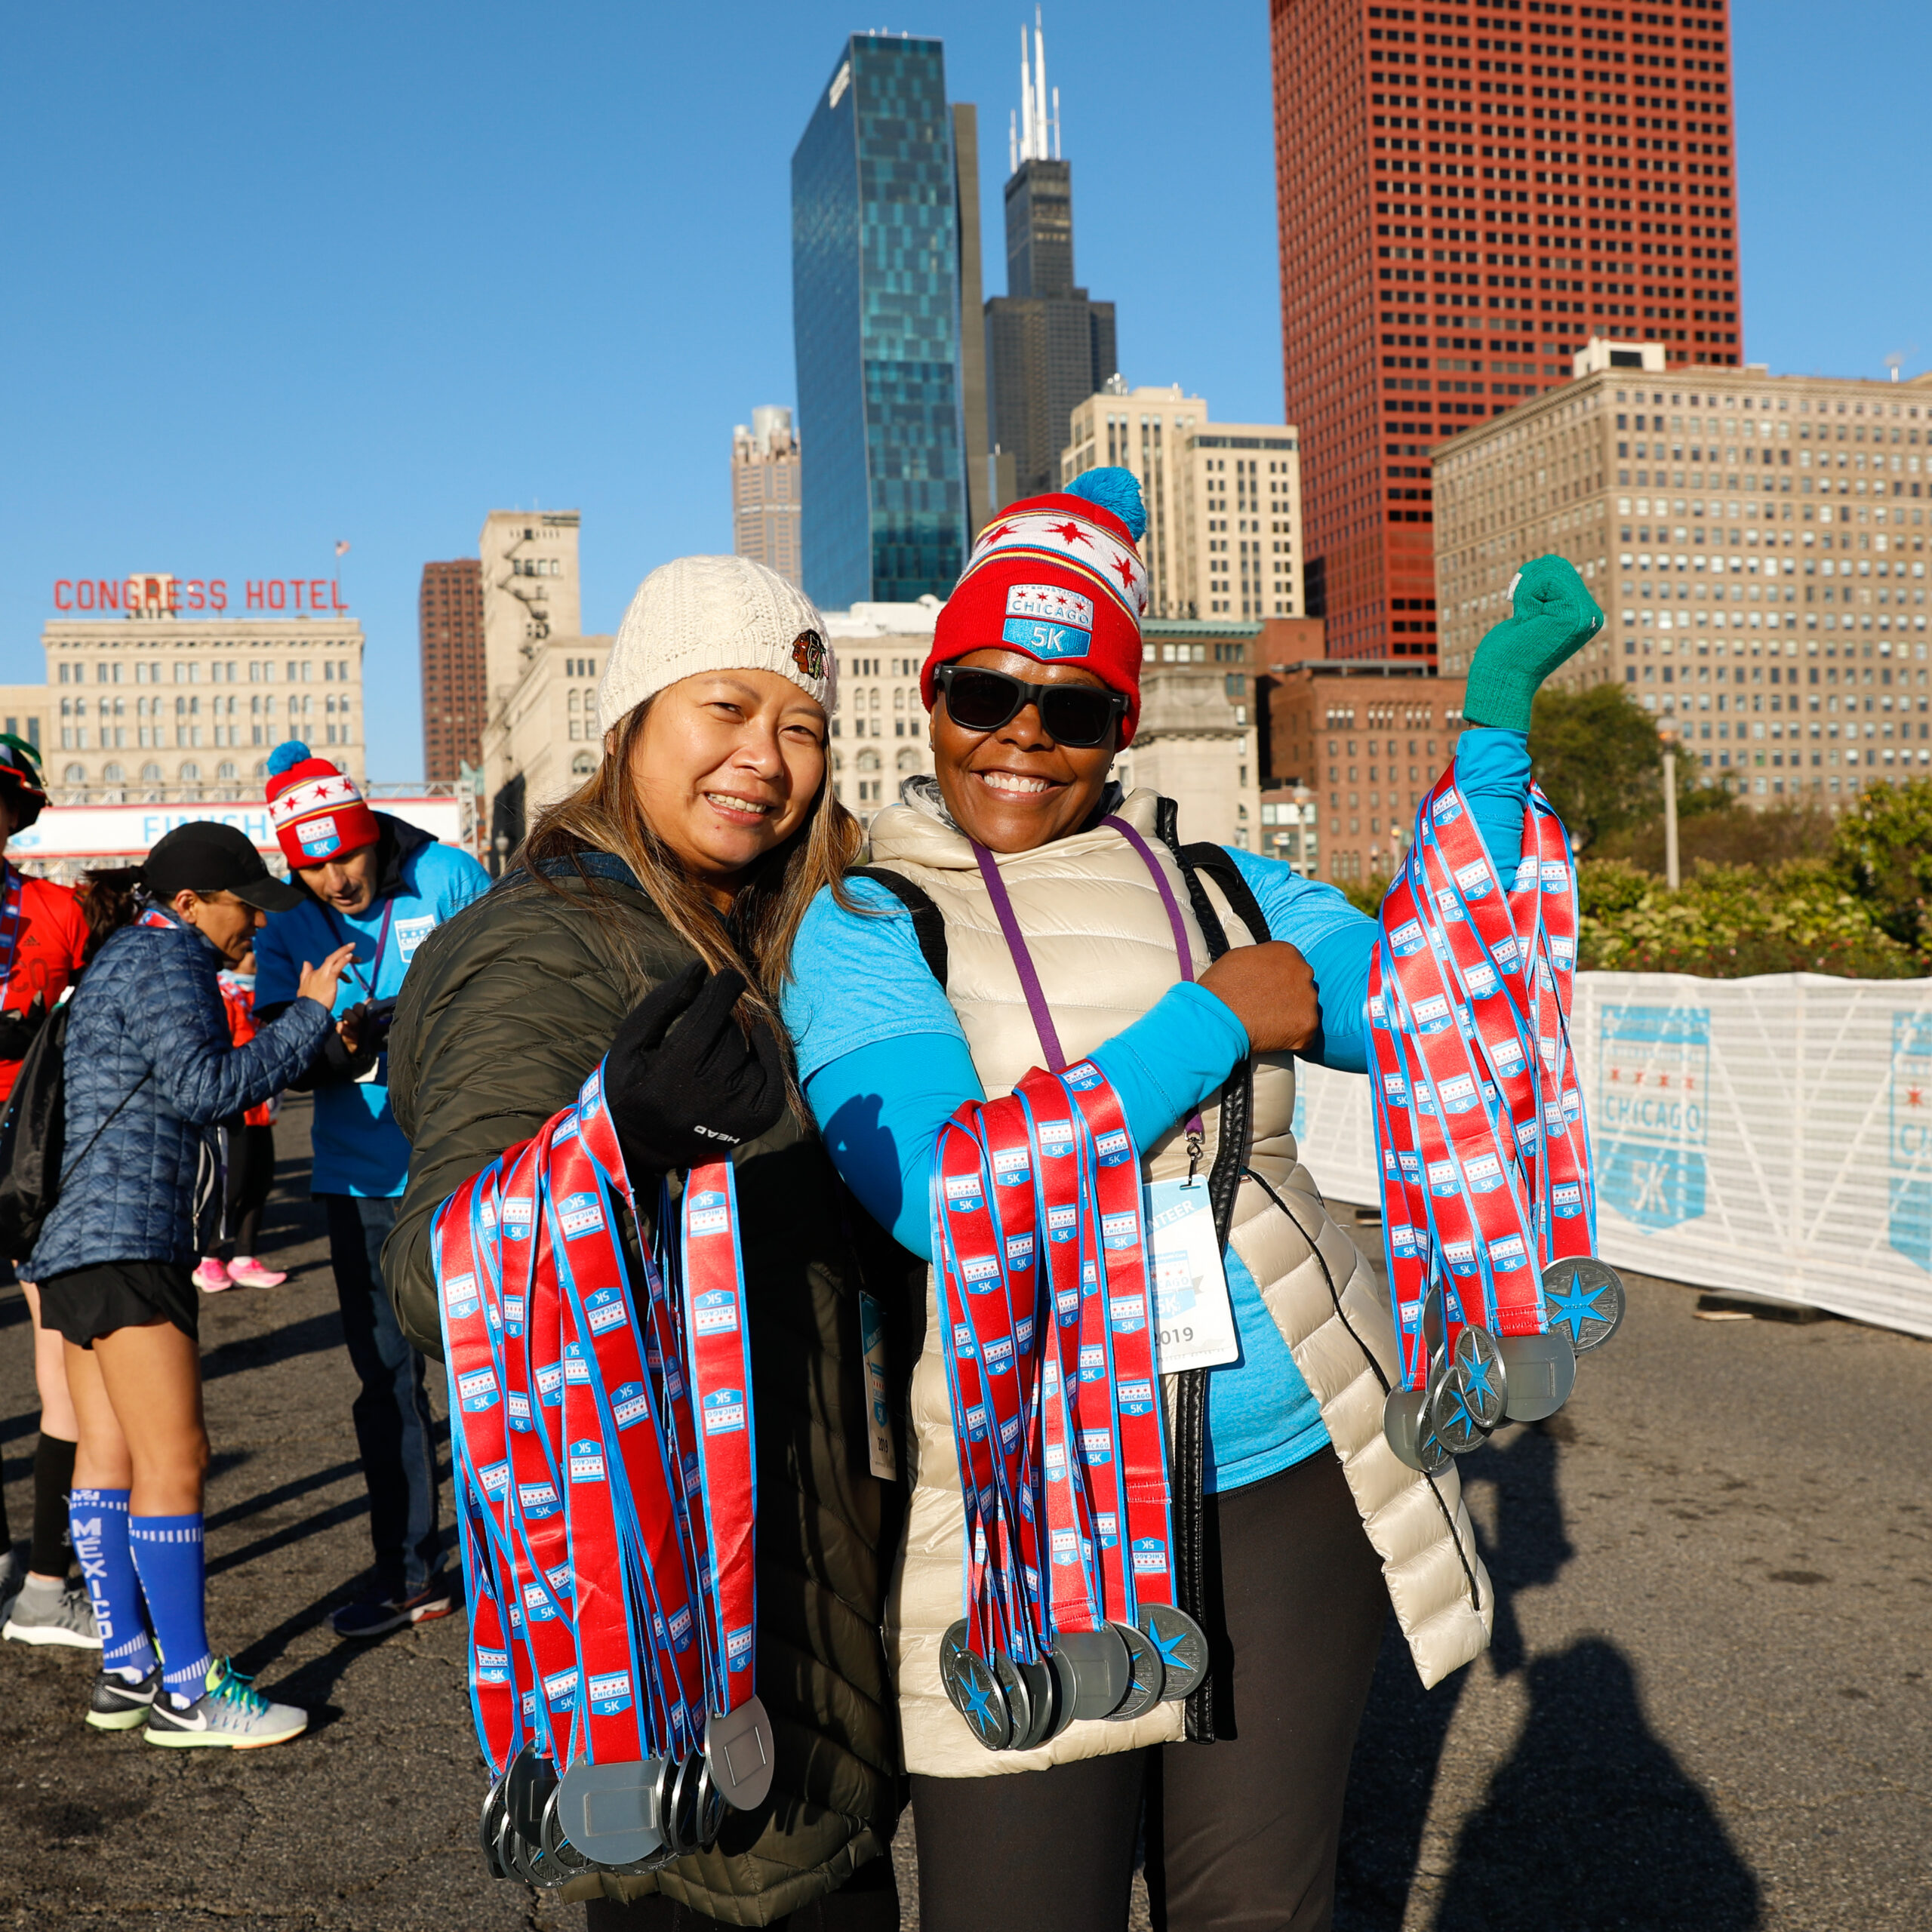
{"points": [[684, 1084]]}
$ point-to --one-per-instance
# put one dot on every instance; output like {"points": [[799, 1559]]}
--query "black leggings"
{"points": [[251, 1181], [1242, 1833]]}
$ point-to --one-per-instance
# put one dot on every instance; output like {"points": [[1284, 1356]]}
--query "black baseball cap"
{"points": [[205, 857]]}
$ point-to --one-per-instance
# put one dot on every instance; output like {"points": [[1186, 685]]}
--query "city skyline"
{"points": [[227, 371]]}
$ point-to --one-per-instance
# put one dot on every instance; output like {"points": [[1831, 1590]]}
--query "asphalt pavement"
{"points": [[1705, 1706]]}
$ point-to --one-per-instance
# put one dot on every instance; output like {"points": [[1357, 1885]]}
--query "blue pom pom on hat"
{"points": [[1115, 491], [290, 752]]}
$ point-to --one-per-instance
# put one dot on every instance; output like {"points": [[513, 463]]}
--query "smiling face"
{"points": [[726, 768], [1014, 788]]}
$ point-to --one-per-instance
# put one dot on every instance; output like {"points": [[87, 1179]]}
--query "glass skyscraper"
{"points": [[875, 308]]}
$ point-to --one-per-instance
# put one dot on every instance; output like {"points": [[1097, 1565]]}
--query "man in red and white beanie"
{"points": [[1057, 578], [318, 811]]}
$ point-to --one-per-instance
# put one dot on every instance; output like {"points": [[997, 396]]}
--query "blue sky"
{"points": [[279, 275]]}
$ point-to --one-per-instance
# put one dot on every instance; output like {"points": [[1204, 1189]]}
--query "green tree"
{"points": [[1883, 855], [1596, 756]]}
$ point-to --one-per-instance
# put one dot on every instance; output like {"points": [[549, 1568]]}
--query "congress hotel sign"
{"points": [[160, 596]]}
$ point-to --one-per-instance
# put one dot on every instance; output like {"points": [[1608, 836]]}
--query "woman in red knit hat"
{"points": [[1020, 911]]}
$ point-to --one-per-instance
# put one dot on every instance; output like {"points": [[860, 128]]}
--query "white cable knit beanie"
{"points": [[714, 614]]}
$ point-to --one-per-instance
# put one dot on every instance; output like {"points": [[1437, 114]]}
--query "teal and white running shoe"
{"points": [[119, 1703], [230, 1714]]}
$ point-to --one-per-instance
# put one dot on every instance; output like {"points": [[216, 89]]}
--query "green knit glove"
{"points": [[1555, 616]]}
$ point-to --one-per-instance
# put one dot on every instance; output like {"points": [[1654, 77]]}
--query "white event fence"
{"points": [[1771, 1135]]}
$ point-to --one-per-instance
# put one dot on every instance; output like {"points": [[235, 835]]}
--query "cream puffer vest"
{"points": [[1104, 947]]}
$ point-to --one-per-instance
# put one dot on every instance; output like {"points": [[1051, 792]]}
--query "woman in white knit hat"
{"points": [[645, 924]]}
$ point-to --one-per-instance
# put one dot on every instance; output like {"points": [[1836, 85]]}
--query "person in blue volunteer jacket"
{"points": [[384, 885]]}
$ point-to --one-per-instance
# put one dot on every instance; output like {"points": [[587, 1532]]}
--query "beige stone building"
{"points": [[764, 493], [149, 704], [532, 591], [542, 741], [878, 736], [1223, 500], [1195, 744], [1756, 542], [23, 714]]}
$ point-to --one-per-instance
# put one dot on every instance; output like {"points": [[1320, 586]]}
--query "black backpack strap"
{"points": [[1218, 863], [928, 922]]}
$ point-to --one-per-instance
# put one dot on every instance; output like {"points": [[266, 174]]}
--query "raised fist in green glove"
{"points": [[1555, 617]]}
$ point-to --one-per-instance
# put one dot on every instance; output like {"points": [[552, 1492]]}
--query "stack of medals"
{"points": [[1489, 1215], [1040, 1253], [606, 1498]]}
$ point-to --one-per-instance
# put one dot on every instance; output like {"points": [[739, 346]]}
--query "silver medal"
{"points": [[1407, 1433], [1018, 1686], [712, 1807], [1147, 1678], [1038, 1679], [611, 1812], [681, 1812], [1182, 1647], [490, 1826], [1542, 1371], [1479, 1373], [1584, 1297], [1065, 1693], [739, 1752], [1101, 1668], [973, 1691], [1446, 1415]]}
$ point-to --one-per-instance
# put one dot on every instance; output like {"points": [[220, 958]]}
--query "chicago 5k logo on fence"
{"points": [[1911, 1136], [1651, 1120]]}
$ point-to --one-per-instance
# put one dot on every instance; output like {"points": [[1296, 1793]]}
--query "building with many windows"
{"points": [[449, 630], [878, 737], [1223, 500], [1465, 195], [159, 704], [541, 742], [876, 303], [531, 589], [764, 492], [1355, 746], [1757, 544]]}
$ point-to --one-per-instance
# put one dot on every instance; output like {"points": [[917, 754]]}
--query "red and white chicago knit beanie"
{"points": [[317, 812], [1058, 578]]}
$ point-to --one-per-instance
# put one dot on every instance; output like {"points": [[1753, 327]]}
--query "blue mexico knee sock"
{"points": [[168, 1557], [97, 1522]]}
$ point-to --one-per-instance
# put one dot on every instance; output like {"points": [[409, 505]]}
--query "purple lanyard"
{"points": [[1029, 977], [368, 986]]}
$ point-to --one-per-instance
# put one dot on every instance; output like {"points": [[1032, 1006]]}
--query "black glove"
{"points": [[683, 1082], [17, 1031]]}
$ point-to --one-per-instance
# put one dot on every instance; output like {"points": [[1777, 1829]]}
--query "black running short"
{"points": [[86, 1303]]}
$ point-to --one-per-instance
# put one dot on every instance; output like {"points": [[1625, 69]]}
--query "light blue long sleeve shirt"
{"points": [[861, 990]]}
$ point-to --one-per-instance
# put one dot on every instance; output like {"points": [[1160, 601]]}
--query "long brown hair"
{"points": [[604, 814]]}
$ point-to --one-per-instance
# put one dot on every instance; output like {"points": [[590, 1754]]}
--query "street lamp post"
{"points": [[1671, 875]]}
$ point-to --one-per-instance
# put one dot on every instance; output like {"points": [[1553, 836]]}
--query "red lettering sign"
{"points": [[153, 595]]}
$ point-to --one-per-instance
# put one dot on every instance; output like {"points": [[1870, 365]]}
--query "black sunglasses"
{"points": [[1076, 716]]}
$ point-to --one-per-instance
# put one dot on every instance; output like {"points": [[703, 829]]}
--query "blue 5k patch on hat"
{"points": [[1047, 621]]}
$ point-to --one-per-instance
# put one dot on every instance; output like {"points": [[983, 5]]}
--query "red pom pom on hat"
{"points": [[318, 810], [1059, 579]]}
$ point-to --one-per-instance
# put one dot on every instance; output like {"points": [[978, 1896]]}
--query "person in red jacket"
{"points": [[43, 947], [249, 1142]]}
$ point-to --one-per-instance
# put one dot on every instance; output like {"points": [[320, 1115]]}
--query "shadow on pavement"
{"points": [[1591, 1822], [310, 1335]]}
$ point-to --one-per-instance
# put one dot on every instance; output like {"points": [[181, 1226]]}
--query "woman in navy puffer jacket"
{"points": [[150, 1069]]}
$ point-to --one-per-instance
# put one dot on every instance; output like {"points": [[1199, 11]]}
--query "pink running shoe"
{"points": [[245, 1271], [211, 1277]]}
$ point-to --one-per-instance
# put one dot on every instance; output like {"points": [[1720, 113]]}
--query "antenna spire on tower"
{"points": [[1035, 134]]}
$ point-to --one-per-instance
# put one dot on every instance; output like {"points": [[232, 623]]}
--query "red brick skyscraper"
{"points": [[1467, 194], [450, 629]]}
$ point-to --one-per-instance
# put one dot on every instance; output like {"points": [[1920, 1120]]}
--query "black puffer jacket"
{"points": [[506, 1009]]}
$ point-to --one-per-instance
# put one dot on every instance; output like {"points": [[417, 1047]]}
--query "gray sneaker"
{"points": [[120, 1703], [231, 1714], [53, 1614]]}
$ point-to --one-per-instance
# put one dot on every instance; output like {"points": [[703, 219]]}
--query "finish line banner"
{"points": [[1771, 1136], [127, 830]]}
